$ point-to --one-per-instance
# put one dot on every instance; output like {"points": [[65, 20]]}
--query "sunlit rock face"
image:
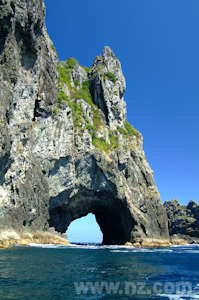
{"points": [[107, 88], [66, 148]]}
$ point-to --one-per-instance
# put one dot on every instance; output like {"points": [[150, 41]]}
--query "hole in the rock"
{"points": [[84, 230]]}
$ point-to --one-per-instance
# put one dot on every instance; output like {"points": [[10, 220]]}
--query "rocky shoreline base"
{"points": [[149, 243], [175, 240], [10, 238]]}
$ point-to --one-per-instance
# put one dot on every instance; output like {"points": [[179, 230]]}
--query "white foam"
{"points": [[171, 297], [185, 246], [162, 250], [119, 251], [121, 248], [46, 245], [181, 296], [100, 247]]}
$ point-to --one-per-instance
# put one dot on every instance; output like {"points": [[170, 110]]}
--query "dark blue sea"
{"points": [[99, 272]]}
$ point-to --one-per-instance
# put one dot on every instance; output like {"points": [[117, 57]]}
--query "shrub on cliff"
{"points": [[64, 74], [111, 76], [62, 97], [71, 62]]}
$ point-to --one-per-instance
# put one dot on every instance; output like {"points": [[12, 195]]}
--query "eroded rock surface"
{"points": [[66, 148], [183, 220]]}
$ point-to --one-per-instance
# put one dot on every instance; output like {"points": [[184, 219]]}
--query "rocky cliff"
{"points": [[183, 220], [66, 148]]}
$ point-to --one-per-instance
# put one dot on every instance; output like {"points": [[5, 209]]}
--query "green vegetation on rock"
{"points": [[122, 130], [102, 145], [96, 70], [53, 47], [76, 82], [111, 76], [64, 74], [130, 129], [114, 142], [54, 112], [64, 77], [102, 139], [62, 97], [76, 113], [86, 69], [91, 128], [84, 93], [97, 119], [71, 62], [96, 57]]}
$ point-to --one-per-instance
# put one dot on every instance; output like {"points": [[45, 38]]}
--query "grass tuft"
{"points": [[131, 131]]}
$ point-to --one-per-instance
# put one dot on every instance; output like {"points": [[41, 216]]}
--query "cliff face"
{"points": [[183, 219], [28, 89], [66, 148]]}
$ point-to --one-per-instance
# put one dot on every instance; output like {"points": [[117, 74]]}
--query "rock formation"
{"points": [[183, 220], [66, 148]]}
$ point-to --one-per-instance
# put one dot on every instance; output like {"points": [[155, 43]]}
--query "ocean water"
{"points": [[99, 272]]}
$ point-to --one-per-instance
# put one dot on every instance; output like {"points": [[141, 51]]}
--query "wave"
{"points": [[185, 246], [182, 296], [77, 246], [46, 245], [123, 249]]}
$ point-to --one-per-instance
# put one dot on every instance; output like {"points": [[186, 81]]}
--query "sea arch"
{"points": [[114, 189], [112, 216]]}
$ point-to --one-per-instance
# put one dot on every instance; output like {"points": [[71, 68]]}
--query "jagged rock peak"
{"points": [[192, 205], [107, 56], [108, 51], [108, 85]]}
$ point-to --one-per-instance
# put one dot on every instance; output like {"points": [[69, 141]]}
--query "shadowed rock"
{"points": [[183, 220]]}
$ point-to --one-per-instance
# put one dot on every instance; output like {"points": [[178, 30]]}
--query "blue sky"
{"points": [[157, 43]]}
